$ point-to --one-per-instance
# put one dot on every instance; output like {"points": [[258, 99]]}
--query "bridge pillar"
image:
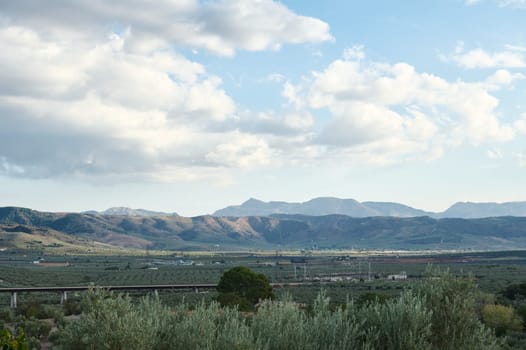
{"points": [[13, 300], [196, 290], [63, 297], [156, 293]]}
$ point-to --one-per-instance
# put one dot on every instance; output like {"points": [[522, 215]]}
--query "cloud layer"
{"points": [[219, 26], [98, 88], [101, 89], [390, 112]]}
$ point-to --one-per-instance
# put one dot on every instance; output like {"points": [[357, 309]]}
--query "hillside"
{"points": [[294, 231]]}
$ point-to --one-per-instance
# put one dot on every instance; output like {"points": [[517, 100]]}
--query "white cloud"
{"points": [[521, 159], [97, 88], [515, 48], [241, 151], [355, 52], [218, 26], [96, 108], [478, 58], [520, 125], [512, 3], [521, 4], [494, 153], [503, 77], [391, 112], [275, 78]]}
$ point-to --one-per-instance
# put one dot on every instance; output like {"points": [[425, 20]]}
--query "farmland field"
{"points": [[342, 276]]}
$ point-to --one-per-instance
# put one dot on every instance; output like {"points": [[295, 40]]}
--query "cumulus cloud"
{"points": [[241, 151], [479, 58], [218, 26], [391, 112], [98, 88], [503, 77], [94, 107]]}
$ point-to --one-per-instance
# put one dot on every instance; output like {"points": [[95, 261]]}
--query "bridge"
{"points": [[63, 291]]}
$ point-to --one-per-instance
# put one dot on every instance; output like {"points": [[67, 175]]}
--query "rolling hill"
{"points": [[268, 232]]}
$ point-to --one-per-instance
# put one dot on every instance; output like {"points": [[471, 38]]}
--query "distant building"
{"points": [[401, 276]]}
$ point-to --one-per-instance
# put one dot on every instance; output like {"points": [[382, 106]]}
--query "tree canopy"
{"points": [[243, 287]]}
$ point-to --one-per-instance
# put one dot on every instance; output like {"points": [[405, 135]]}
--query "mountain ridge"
{"points": [[351, 207], [335, 231], [126, 211]]}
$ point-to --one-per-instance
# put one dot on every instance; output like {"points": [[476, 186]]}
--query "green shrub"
{"points": [[10, 341], [113, 322], [206, 327], [454, 319], [371, 298], [72, 307], [7, 314], [399, 324], [501, 318], [438, 314], [33, 327]]}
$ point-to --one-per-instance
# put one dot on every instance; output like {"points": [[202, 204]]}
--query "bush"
{"points": [[72, 307], [372, 298], [501, 318], [205, 327], [515, 291], [33, 327], [113, 322], [10, 341], [399, 324], [438, 314], [34, 308], [454, 320]]}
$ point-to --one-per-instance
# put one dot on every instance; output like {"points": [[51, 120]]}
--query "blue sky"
{"points": [[190, 106]]}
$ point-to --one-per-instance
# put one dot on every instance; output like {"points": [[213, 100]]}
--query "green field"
{"points": [[351, 275]]}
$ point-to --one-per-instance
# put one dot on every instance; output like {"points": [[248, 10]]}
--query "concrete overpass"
{"points": [[63, 291]]}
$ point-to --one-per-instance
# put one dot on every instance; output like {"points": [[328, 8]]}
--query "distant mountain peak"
{"points": [[320, 206], [125, 211], [252, 202]]}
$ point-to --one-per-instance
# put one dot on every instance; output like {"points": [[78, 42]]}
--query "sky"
{"points": [[188, 106]]}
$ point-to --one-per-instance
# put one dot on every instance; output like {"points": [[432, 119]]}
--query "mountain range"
{"points": [[78, 232], [351, 207], [124, 211]]}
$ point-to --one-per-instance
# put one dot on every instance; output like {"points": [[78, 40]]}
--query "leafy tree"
{"points": [[243, 287]]}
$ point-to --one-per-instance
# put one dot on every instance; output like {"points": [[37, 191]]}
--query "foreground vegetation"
{"points": [[441, 312], [499, 302]]}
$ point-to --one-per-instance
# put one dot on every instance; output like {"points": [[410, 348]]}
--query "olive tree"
{"points": [[242, 287]]}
